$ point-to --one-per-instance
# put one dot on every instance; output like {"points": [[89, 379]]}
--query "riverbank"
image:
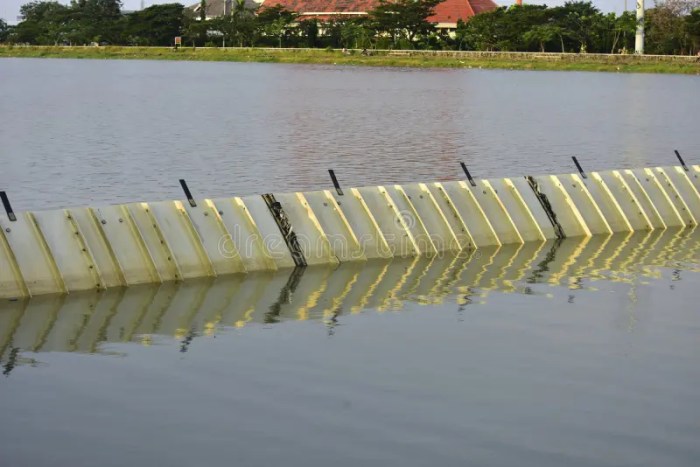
{"points": [[396, 58]]}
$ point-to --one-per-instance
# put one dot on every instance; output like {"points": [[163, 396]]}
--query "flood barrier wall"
{"points": [[67, 250]]}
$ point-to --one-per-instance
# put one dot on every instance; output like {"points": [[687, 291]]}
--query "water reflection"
{"points": [[83, 322]]}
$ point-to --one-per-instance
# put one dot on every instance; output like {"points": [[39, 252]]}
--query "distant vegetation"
{"points": [[672, 27]]}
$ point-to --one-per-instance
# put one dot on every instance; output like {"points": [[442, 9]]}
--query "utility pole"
{"points": [[639, 37]]}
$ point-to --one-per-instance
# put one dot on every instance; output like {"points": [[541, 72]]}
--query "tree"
{"points": [[404, 18], [155, 25], [4, 30], [276, 21], [238, 27], [542, 34], [692, 25]]}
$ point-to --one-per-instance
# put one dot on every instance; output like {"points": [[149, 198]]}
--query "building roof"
{"points": [[447, 12]]}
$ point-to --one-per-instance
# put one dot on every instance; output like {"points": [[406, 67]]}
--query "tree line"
{"points": [[672, 27]]}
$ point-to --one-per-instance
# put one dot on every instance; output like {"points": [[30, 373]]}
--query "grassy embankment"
{"points": [[419, 59]]}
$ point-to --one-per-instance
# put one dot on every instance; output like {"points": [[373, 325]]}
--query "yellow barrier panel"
{"points": [[101, 249], [32, 255], [657, 195], [391, 222], [473, 213], [430, 216], [269, 231], [518, 210], [498, 215], [343, 241], [620, 191], [642, 197], [694, 176], [681, 191], [411, 219], [152, 235], [607, 203], [452, 216], [69, 250], [310, 235], [522, 192], [586, 205], [244, 238], [216, 239], [11, 280], [364, 225], [182, 239], [568, 215], [125, 242]]}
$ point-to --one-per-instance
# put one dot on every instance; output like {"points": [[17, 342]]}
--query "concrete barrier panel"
{"points": [[343, 242], [156, 243], [271, 236], [568, 215], [658, 196], [642, 197], [528, 226], [69, 250], [244, 238], [34, 260], [620, 190], [452, 216], [182, 239], [98, 245], [432, 218], [472, 213], [215, 238], [390, 221], [311, 236], [681, 191], [607, 203], [585, 204], [11, 280]]}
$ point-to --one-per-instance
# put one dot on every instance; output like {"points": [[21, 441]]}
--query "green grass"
{"points": [[569, 62]]}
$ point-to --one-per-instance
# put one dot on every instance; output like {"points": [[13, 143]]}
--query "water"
{"points": [[95, 132], [580, 353]]}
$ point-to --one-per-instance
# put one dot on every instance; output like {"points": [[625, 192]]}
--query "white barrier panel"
{"points": [[642, 198], [568, 216], [626, 199], [431, 217], [579, 195], [179, 234], [411, 219], [244, 238], [269, 231], [681, 192], [310, 235], [523, 192], [343, 242], [69, 250], [161, 253], [607, 203], [127, 245], [216, 239], [657, 195], [452, 216], [364, 225], [472, 213], [11, 280], [528, 226], [390, 221], [34, 260]]}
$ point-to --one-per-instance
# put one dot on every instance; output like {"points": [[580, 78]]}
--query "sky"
{"points": [[9, 9]]}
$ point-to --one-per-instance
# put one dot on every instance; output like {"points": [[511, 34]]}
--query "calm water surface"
{"points": [[76, 132], [579, 353]]}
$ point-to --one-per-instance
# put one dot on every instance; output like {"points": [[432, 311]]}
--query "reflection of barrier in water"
{"points": [[80, 249], [84, 321]]}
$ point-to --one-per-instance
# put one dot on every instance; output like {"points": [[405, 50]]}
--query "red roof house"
{"points": [[446, 15]]}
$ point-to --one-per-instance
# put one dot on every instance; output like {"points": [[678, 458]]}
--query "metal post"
{"points": [[678, 155], [639, 37], [8, 206], [188, 193], [335, 182], [469, 176], [578, 166]]}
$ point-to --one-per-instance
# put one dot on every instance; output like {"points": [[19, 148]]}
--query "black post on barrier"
{"points": [[8, 206], [678, 155], [469, 176], [188, 193], [335, 182], [578, 166]]}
